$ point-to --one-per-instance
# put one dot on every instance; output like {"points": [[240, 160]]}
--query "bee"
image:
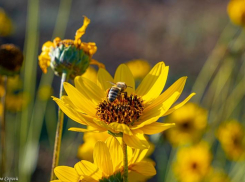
{"points": [[116, 90]]}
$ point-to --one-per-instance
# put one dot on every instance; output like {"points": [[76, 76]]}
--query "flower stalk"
{"points": [[59, 129], [3, 129], [125, 161]]}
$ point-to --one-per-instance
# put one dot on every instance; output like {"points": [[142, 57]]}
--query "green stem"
{"points": [[3, 129], [59, 129], [125, 162]]}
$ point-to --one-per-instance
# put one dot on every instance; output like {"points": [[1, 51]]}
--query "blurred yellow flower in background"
{"points": [[108, 159], [16, 100], [45, 92], [6, 26], [190, 120], [139, 68], [193, 163], [236, 11], [134, 113], [231, 135], [74, 56]]}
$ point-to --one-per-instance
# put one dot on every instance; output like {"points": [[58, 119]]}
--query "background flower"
{"points": [[190, 122]]}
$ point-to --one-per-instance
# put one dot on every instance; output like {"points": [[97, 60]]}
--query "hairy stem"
{"points": [[59, 129], [125, 162]]}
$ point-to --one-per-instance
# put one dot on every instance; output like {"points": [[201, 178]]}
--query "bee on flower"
{"points": [[107, 165], [232, 138], [190, 120], [131, 115], [71, 56]]}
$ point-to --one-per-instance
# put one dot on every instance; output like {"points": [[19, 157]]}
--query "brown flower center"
{"points": [[124, 109]]}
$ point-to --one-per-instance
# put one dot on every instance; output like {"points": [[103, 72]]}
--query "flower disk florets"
{"points": [[125, 109]]}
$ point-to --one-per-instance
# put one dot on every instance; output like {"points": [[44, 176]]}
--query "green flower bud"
{"points": [[69, 59]]}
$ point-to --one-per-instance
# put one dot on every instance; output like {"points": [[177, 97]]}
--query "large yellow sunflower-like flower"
{"points": [[74, 56], [193, 163], [190, 120], [107, 164], [232, 138], [133, 113]]}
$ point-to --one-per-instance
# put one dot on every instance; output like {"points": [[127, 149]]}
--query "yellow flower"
{"points": [[85, 151], [133, 113], [16, 100], [6, 26], [232, 138], [192, 163], [74, 56], [139, 68], [236, 11], [108, 159], [190, 122]]}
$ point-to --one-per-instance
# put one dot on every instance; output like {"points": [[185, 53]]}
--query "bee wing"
{"points": [[111, 83]]}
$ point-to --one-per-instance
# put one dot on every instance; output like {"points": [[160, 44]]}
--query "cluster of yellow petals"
{"points": [[231, 135], [193, 163], [83, 99], [107, 157], [89, 48], [190, 122]]}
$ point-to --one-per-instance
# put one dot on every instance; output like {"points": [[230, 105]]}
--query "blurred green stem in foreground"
{"points": [[59, 129], [3, 130], [226, 40], [32, 118]]}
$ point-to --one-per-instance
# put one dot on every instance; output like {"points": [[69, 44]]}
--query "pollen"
{"points": [[125, 109]]}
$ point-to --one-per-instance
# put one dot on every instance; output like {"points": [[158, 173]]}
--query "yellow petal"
{"points": [[154, 82], [123, 74], [152, 115], [90, 74], [102, 158], [156, 127], [174, 108], [144, 168], [79, 100], [67, 174], [89, 89], [81, 31], [118, 127], [103, 79], [115, 151], [178, 86], [87, 168], [137, 140], [86, 130], [87, 179], [138, 155], [71, 113]]}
